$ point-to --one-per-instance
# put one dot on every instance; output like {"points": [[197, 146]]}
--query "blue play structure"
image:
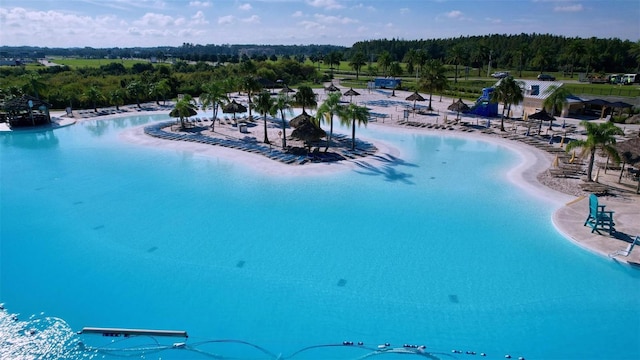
{"points": [[484, 106]]}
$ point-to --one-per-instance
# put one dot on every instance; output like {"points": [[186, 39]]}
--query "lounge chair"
{"points": [[598, 218], [628, 250]]}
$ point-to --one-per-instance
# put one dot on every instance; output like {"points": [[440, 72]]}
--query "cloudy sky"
{"points": [[128, 23]]}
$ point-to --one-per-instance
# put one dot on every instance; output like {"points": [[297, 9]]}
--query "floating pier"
{"points": [[117, 332]]}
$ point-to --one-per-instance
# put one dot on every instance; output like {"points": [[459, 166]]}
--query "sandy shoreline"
{"points": [[530, 174]]}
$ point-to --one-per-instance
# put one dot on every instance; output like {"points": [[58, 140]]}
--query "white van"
{"points": [[628, 79]]}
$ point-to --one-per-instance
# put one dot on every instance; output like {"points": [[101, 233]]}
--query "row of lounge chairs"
{"points": [[157, 130], [90, 113], [417, 124]]}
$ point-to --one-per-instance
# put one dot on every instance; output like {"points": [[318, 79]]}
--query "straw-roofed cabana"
{"points": [[26, 111]]}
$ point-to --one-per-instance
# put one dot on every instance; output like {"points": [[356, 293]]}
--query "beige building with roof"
{"points": [[535, 92]]}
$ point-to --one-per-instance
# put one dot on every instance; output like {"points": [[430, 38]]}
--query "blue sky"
{"points": [[120, 23]]}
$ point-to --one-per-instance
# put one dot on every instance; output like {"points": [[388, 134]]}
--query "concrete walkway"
{"points": [[569, 220]]}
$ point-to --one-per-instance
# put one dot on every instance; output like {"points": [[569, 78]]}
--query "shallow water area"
{"points": [[434, 247]]}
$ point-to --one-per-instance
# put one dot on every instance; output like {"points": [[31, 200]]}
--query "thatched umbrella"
{"points": [[266, 83], [629, 152], [177, 112], [307, 130], [541, 115], [300, 119], [458, 106], [415, 97], [332, 88], [234, 107], [286, 90], [351, 93]]}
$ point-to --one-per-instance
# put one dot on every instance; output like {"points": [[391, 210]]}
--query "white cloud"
{"points": [[363, 6], [334, 19], [311, 25], [253, 19], [190, 33], [326, 4], [297, 14], [226, 20], [245, 7], [153, 19], [199, 19], [455, 14], [404, 11], [569, 8], [200, 3], [493, 20]]}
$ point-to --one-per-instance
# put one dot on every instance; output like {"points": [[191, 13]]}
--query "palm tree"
{"points": [[329, 107], [135, 89], [557, 97], [508, 92], [35, 82], [93, 95], [384, 61], [395, 70], [213, 95], [333, 58], [184, 108], [358, 60], [116, 97], [265, 104], [160, 89], [411, 59], [230, 84], [305, 97], [456, 55], [599, 136], [250, 84], [282, 104], [433, 78], [353, 114]]}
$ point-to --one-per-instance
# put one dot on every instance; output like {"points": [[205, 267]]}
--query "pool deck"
{"points": [[570, 218], [572, 205]]}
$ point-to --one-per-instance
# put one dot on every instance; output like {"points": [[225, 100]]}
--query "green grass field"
{"points": [[94, 63]]}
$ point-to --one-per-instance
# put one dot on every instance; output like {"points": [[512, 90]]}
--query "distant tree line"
{"points": [[113, 84], [539, 52], [187, 51]]}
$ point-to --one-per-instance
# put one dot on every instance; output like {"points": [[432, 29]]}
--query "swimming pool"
{"points": [[435, 248]]}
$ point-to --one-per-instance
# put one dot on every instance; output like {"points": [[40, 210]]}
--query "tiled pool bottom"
{"points": [[437, 250]]}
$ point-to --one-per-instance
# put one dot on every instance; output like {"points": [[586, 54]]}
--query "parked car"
{"points": [[629, 79], [546, 77], [500, 75]]}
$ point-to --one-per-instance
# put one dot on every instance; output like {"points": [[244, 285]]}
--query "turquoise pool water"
{"points": [[435, 248]]}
